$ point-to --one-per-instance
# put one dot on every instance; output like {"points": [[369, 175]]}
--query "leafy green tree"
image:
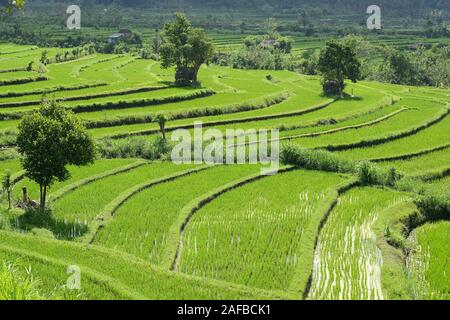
{"points": [[187, 48], [44, 57], [7, 186], [338, 62], [399, 68], [50, 139], [14, 5], [271, 28], [284, 44]]}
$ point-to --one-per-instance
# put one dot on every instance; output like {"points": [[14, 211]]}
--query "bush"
{"points": [[333, 87], [315, 159], [371, 174], [136, 147], [395, 238], [434, 206], [367, 172]]}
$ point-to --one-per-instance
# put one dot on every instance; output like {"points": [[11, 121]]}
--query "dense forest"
{"points": [[402, 7], [410, 6]]}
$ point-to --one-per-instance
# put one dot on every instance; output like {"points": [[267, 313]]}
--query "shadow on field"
{"points": [[350, 98], [45, 224]]}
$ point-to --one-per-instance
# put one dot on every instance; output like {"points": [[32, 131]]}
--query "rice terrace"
{"points": [[336, 186]]}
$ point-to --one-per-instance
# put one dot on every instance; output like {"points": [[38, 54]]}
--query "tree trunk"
{"points": [[43, 196], [9, 200], [195, 75], [163, 131]]}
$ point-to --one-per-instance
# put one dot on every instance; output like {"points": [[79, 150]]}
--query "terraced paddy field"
{"points": [[428, 261], [322, 227]]}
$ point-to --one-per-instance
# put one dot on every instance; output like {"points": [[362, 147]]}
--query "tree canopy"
{"points": [[338, 62], [186, 48], [50, 139], [14, 4]]}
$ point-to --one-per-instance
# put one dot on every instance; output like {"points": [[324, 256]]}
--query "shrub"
{"points": [[434, 206], [368, 173], [136, 147], [371, 174], [315, 159]]}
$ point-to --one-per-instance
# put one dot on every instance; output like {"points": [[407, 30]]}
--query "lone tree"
{"points": [[186, 48], [50, 139], [338, 62]]}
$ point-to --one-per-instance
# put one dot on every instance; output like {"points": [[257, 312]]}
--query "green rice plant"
{"points": [[428, 263], [20, 60], [175, 244], [422, 165], [141, 225], [299, 113], [124, 104], [347, 262], [76, 174], [401, 125], [19, 283], [17, 75], [108, 274], [79, 183], [208, 112], [259, 235], [37, 94], [434, 136], [17, 81], [30, 102], [16, 284], [96, 195], [12, 165]]}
